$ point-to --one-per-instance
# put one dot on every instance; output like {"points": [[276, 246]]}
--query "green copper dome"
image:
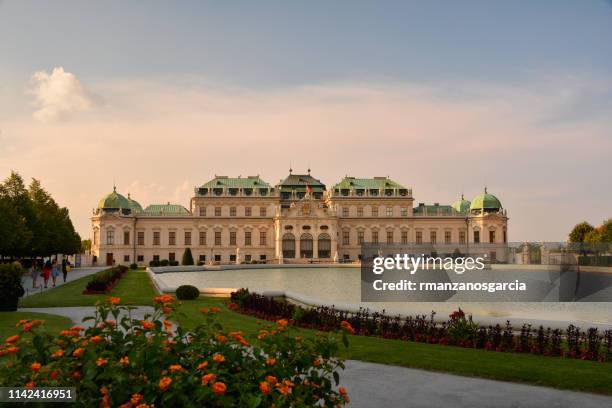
{"points": [[462, 205], [486, 202], [114, 200], [134, 205]]}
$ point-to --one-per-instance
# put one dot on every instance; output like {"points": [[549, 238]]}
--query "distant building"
{"points": [[245, 219]]}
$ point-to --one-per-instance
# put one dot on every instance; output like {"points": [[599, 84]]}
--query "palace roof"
{"points": [[166, 210], [300, 182], [236, 182], [375, 183]]}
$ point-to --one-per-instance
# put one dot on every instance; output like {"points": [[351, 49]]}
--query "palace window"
{"points": [[505, 237], [389, 211], [218, 238], [217, 258], [202, 258], [447, 237], [462, 237], [156, 237], [492, 237], [126, 237], [247, 211], [346, 237], [404, 237], [263, 211], [140, 237], [262, 258], [232, 238], [359, 237], [345, 211], [247, 238], [156, 257], [324, 246], [110, 237], [140, 258], [360, 211], [262, 238], [375, 237], [187, 237], [202, 238], [374, 211], [433, 237], [389, 237], [404, 212], [233, 258], [202, 211], [172, 238], [306, 245], [288, 245], [419, 237], [126, 258], [477, 237], [232, 211], [217, 211], [171, 256], [247, 258]]}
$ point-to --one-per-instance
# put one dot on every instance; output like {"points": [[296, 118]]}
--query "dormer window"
{"points": [[345, 192], [233, 191], [248, 191], [360, 192], [218, 191]]}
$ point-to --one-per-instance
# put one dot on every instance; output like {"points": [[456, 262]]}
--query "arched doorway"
{"points": [[306, 245], [288, 245], [324, 246]]}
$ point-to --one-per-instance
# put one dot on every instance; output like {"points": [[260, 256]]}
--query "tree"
{"points": [[85, 246], [606, 231], [15, 218], [187, 257], [580, 231]]}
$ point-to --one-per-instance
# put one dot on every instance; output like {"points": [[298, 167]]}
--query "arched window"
{"points": [[306, 245], [288, 245], [324, 246]]}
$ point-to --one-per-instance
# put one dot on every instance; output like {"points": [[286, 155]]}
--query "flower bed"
{"points": [[459, 330], [103, 281], [124, 362]]}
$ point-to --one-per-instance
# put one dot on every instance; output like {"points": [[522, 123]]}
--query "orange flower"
{"points": [[204, 310], [114, 300], [167, 324], [77, 328], [136, 398], [147, 325], [264, 387], [13, 339], [76, 375], [284, 390], [271, 361], [208, 378], [96, 339], [167, 310], [219, 388], [124, 361], [203, 365], [218, 358], [143, 406], [58, 353], [271, 379], [262, 334], [35, 366], [164, 383], [343, 393], [31, 384], [221, 338], [215, 310], [21, 322], [175, 368], [346, 326], [164, 299], [317, 362], [282, 322], [78, 352], [101, 362]]}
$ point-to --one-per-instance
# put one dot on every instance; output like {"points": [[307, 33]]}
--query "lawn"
{"points": [[53, 323], [524, 368], [134, 287]]}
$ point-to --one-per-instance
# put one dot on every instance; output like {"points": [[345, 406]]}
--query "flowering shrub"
{"points": [[125, 362], [458, 330], [104, 280]]}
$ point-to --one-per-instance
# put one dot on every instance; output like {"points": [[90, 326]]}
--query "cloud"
{"points": [[59, 95]]}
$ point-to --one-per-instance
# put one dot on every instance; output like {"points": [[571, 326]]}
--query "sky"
{"points": [[442, 96]]}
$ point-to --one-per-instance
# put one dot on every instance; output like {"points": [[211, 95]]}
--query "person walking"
{"points": [[65, 268], [34, 272], [46, 272], [55, 268]]}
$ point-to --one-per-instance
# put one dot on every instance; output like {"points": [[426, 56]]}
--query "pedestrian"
{"points": [[55, 271], [65, 268], [34, 272], [46, 272]]}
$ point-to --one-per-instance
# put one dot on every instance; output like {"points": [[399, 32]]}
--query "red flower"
{"points": [[219, 388]]}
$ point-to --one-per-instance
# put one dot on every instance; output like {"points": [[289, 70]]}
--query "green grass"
{"points": [[554, 372], [134, 287], [53, 323]]}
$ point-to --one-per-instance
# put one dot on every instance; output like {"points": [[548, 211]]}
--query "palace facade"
{"points": [[245, 219]]}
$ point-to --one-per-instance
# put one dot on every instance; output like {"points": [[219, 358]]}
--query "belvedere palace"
{"points": [[245, 219]]}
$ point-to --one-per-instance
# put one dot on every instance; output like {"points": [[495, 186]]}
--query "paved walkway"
{"points": [[76, 314], [378, 385], [72, 275]]}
